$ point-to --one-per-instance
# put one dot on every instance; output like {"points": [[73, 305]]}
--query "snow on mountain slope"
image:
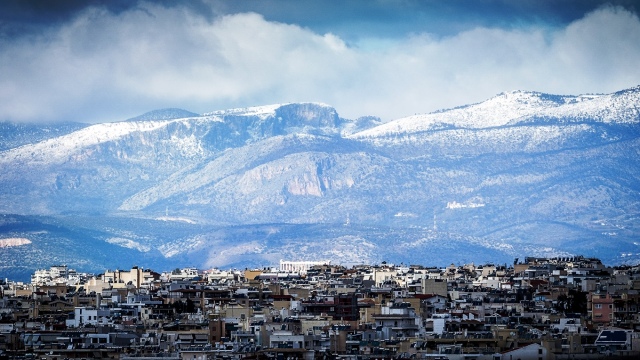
{"points": [[13, 135], [64, 148], [248, 162], [219, 129], [298, 187], [620, 107], [164, 114], [266, 111], [511, 108], [263, 121], [477, 141], [260, 111], [192, 178], [102, 165]]}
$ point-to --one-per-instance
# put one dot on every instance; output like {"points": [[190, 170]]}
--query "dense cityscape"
{"points": [[535, 308]]}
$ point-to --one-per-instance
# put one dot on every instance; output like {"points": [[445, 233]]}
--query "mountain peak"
{"points": [[533, 98], [264, 110], [519, 106], [631, 90], [164, 114], [247, 111]]}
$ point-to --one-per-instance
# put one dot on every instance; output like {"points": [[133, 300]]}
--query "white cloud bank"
{"points": [[106, 67]]}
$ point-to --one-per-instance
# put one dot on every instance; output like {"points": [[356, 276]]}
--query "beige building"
{"points": [[136, 277]]}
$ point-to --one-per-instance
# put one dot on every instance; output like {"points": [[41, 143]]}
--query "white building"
{"points": [[54, 275], [88, 316], [397, 321], [286, 339], [184, 274], [300, 267]]}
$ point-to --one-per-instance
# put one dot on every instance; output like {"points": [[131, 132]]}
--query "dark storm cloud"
{"points": [[23, 17], [352, 19], [349, 19]]}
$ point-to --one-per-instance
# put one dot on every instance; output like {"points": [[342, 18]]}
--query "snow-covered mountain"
{"points": [[523, 173], [521, 107], [164, 114], [13, 135]]}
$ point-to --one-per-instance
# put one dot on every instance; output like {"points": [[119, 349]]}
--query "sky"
{"points": [[110, 60]]}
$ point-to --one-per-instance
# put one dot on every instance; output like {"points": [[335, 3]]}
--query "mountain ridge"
{"points": [[512, 116], [164, 114], [545, 174]]}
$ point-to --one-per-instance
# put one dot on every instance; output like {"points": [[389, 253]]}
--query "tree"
{"points": [[191, 307], [574, 301], [578, 301], [178, 306]]}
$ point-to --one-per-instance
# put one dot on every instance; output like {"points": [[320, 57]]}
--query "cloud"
{"points": [[106, 66]]}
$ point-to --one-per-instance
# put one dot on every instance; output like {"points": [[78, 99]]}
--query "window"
{"points": [[598, 306]]}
